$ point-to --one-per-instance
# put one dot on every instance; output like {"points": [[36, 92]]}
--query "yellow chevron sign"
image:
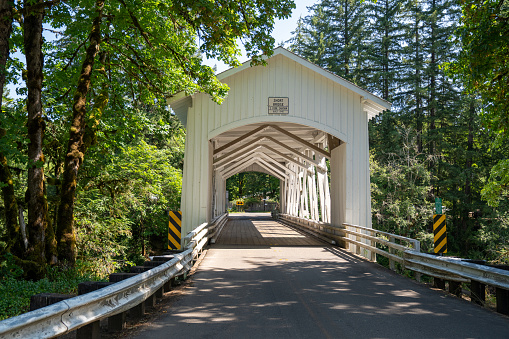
{"points": [[440, 233], [174, 229], [240, 203]]}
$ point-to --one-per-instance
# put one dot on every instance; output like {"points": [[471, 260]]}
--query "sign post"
{"points": [[174, 229], [439, 229]]}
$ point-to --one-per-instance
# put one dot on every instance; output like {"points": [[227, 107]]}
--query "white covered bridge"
{"points": [[285, 119]]}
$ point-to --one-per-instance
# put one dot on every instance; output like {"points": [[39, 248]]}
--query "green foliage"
{"points": [[253, 185], [493, 236], [405, 56], [400, 188], [483, 65], [9, 269], [15, 293], [498, 184], [125, 205]]}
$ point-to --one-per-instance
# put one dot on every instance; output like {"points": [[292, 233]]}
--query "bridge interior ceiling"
{"points": [[295, 154]]}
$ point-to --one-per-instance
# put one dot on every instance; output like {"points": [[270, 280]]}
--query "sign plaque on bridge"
{"points": [[279, 106]]}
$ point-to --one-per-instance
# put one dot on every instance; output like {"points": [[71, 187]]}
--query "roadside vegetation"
{"points": [[444, 67]]}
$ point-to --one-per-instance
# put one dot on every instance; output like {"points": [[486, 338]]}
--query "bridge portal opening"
{"points": [[297, 155], [257, 190]]}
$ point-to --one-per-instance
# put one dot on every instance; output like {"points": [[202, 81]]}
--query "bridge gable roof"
{"points": [[373, 105]]}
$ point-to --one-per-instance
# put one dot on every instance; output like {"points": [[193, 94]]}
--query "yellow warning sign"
{"points": [[174, 229], [240, 203], [440, 233]]}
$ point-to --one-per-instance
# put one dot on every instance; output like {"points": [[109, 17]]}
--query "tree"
{"points": [[37, 205], [153, 44], [253, 185], [311, 38], [484, 65], [6, 180], [400, 187], [347, 34], [384, 50]]}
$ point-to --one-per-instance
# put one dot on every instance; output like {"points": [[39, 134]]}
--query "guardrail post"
{"points": [[150, 301], [117, 322], [357, 248], [45, 299], [455, 288], [417, 248], [439, 283], [160, 292], [137, 311], [477, 292], [502, 301], [392, 264], [90, 331]]}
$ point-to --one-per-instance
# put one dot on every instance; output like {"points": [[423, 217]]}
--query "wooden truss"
{"points": [[302, 171]]}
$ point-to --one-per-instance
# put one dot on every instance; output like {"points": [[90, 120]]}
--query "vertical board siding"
{"points": [[257, 84], [297, 87], [330, 103], [243, 114], [304, 93]]}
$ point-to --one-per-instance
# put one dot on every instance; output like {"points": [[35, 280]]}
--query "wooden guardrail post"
{"points": [[502, 300], [477, 292], [138, 311], [117, 322], [92, 330], [439, 283], [150, 301], [45, 299], [455, 288]]}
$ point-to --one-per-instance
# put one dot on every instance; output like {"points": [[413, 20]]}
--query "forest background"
{"points": [[91, 157]]}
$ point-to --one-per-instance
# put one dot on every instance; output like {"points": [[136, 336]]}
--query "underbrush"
{"points": [[15, 292]]}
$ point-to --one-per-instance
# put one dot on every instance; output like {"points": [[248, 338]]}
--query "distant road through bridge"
{"points": [[265, 280]]}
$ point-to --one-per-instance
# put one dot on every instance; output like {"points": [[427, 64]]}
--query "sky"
{"points": [[282, 31]]}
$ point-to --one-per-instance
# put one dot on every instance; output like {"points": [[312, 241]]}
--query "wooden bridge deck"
{"points": [[259, 229]]}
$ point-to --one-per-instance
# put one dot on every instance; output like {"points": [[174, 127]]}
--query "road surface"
{"points": [[264, 286]]}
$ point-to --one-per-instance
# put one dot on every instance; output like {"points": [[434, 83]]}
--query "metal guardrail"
{"points": [[446, 268], [217, 227], [358, 233], [71, 314], [455, 269]]}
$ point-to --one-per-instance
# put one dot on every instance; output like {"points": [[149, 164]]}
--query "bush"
{"points": [[15, 293]]}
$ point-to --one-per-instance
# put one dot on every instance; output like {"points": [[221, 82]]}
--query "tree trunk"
{"points": [[37, 206], [470, 149], [74, 157], [432, 85], [13, 238], [385, 47], [418, 102], [5, 33]]}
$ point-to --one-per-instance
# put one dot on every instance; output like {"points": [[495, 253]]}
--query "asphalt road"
{"points": [[314, 292]]}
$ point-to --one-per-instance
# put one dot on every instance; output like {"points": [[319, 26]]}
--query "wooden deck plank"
{"points": [[260, 230]]}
